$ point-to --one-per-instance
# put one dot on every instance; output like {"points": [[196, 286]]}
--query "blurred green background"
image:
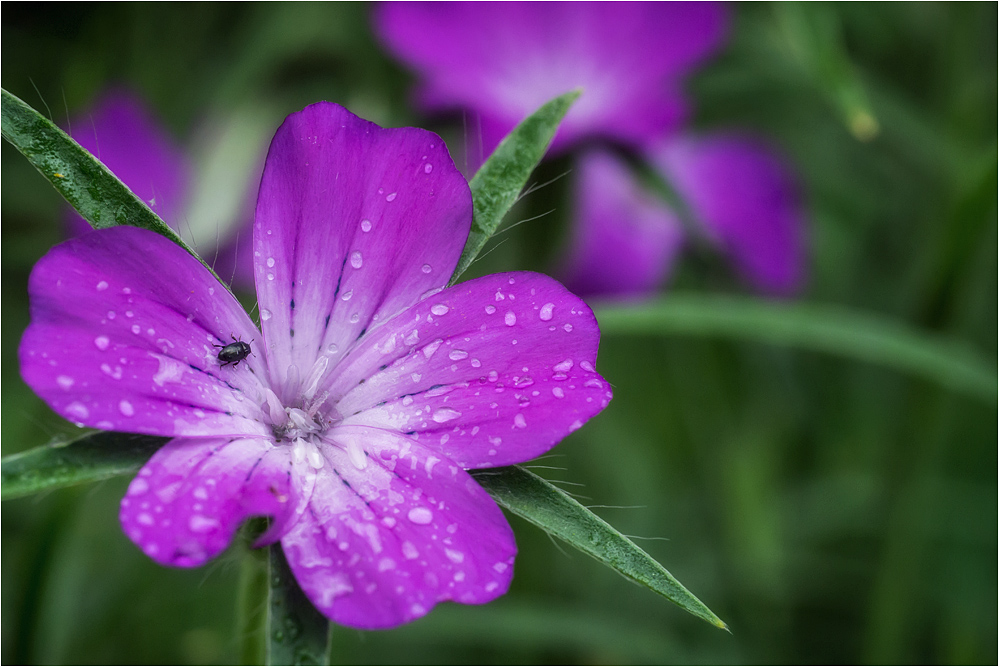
{"points": [[831, 511]]}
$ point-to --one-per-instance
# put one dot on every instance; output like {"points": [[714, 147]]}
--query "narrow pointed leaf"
{"points": [[80, 178], [830, 329], [297, 634], [528, 496], [89, 458], [498, 182]]}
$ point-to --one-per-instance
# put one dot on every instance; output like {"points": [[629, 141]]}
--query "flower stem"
{"points": [[296, 633]]}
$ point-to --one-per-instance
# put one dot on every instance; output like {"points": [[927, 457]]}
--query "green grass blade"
{"points": [[528, 496], [498, 182], [80, 178], [89, 458], [830, 329], [297, 634]]}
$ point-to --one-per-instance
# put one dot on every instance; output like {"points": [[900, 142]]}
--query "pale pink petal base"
{"points": [[393, 528]]}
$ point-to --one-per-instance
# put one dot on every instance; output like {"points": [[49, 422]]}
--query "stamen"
{"points": [[318, 370]]}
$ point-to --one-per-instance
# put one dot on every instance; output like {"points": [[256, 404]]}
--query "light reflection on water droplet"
{"points": [[426, 268], [365, 225], [510, 318], [546, 311], [356, 260], [264, 314]]}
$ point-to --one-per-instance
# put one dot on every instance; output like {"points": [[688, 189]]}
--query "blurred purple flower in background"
{"points": [[370, 389], [503, 60], [123, 132]]}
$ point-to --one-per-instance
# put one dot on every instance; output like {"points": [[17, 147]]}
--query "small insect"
{"points": [[234, 352]]}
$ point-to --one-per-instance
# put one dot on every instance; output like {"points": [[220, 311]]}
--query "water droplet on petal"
{"points": [[420, 515], [457, 355], [264, 314], [365, 226], [439, 309], [546, 311], [519, 421], [102, 342], [490, 310], [510, 318], [563, 366], [101, 286], [391, 197], [356, 260], [201, 524], [270, 262], [567, 327], [347, 295], [557, 391], [126, 408], [64, 381], [426, 268], [332, 348], [445, 415], [427, 168], [78, 410]]}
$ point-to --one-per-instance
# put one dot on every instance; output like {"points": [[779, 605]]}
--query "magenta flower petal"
{"points": [[123, 324], [490, 372], [745, 195], [393, 528], [122, 132], [353, 224], [504, 60], [624, 240], [186, 503]]}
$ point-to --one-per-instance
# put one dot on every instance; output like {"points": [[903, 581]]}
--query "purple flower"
{"points": [[370, 389], [121, 130], [501, 60]]}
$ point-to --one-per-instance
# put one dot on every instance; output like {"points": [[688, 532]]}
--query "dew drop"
{"points": [[427, 168], [136, 329], [563, 366], [78, 410], [356, 260], [102, 342], [264, 314], [392, 196], [64, 381], [332, 348], [510, 318], [101, 286], [445, 415], [490, 310], [420, 515], [457, 355], [270, 262], [557, 391], [347, 295], [567, 327], [519, 421], [270, 276], [365, 226], [355, 318], [439, 309], [126, 408], [546, 311], [426, 268]]}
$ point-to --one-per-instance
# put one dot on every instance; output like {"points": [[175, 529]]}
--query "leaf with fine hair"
{"points": [[82, 179], [498, 182], [551, 509]]}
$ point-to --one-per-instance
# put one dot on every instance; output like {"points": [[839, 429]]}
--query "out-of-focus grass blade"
{"points": [[89, 458], [831, 329], [527, 495], [82, 179], [297, 634], [498, 182]]}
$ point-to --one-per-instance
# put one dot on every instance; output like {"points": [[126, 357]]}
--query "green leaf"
{"points": [[528, 496], [297, 634], [89, 458], [831, 329], [498, 182], [82, 179]]}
